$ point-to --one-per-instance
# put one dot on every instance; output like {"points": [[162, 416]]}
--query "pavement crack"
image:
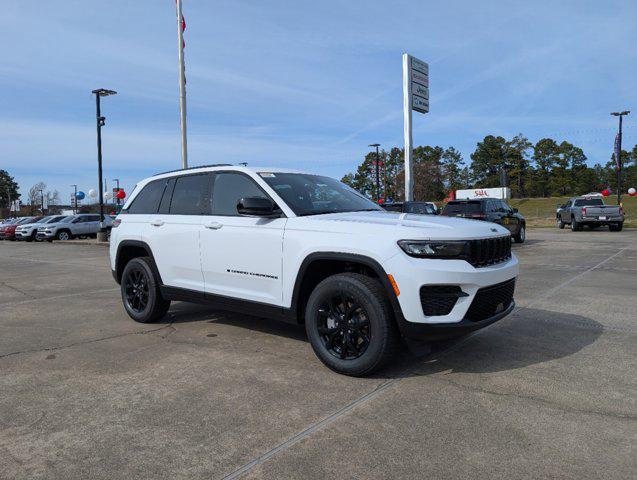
{"points": [[15, 289], [86, 342], [533, 398]]}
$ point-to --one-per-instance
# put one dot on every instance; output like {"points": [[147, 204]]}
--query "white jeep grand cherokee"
{"points": [[308, 249]]}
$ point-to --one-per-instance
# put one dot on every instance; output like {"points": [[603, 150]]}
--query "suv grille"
{"points": [[491, 300], [439, 299], [489, 251]]}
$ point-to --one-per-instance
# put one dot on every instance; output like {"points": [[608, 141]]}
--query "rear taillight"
{"points": [[584, 211], [621, 210], [116, 222]]}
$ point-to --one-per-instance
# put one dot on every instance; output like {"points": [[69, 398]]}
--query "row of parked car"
{"points": [[487, 209], [52, 227]]}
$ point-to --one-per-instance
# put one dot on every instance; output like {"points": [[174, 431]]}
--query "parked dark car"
{"points": [[490, 210], [422, 208]]}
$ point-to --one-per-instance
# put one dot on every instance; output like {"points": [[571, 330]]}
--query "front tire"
{"points": [[350, 325], [560, 224], [140, 292], [63, 235]]}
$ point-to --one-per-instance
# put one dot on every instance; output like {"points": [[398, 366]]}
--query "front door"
{"points": [[241, 256]]}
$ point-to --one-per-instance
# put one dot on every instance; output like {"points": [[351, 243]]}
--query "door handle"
{"points": [[213, 225], [157, 223]]}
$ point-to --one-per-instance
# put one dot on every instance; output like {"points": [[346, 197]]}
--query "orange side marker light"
{"points": [[393, 284]]}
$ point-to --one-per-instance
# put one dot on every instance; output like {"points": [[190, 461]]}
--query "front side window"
{"points": [[228, 189], [315, 195], [190, 195], [147, 201]]}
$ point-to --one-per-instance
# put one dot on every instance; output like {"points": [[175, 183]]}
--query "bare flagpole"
{"points": [[182, 86]]}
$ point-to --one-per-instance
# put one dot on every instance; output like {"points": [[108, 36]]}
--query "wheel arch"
{"points": [[318, 266], [129, 249]]}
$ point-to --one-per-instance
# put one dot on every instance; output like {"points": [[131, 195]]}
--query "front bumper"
{"points": [[411, 274], [440, 331], [23, 235], [44, 235]]}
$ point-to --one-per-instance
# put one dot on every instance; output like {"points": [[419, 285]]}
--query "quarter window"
{"points": [[148, 199], [228, 189], [190, 195]]}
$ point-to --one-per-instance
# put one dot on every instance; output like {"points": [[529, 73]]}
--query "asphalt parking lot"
{"points": [[549, 392]]}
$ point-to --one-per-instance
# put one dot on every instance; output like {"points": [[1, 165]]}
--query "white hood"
{"points": [[403, 225]]}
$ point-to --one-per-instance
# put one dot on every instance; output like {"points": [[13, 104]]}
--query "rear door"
{"points": [[241, 256], [174, 228]]}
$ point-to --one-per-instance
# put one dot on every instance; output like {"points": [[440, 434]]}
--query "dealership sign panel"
{"points": [[473, 193], [415, 98]]}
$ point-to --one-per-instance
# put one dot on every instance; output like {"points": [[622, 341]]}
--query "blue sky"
{"points": [[302, 84]]}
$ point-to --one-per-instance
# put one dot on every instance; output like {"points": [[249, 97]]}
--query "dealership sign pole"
{"points": [[181, 26], [415, 97]]}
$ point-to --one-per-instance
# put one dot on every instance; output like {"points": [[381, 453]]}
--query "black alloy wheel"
{"points": [[350, 324], [344, 326], [140, 291], [136, 288]]}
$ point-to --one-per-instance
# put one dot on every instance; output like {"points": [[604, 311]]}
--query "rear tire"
{"points": [[616, 227], [350, 324], [575, 226], [521, 235], [140, 292], [560, 224]]}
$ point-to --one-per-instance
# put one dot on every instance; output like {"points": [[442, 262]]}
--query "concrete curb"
{"points": [[81, 242]]}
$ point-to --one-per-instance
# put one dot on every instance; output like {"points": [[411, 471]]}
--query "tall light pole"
{"points": [[101, 121], [377, 169], [618, 154], [181, 26], [74, 198]]}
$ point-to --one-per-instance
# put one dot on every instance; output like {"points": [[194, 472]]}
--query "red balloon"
{"points": [[606, 192], [380, 201], [120, 194]]}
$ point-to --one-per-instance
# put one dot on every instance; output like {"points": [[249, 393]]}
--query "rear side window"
{"points": [[455, 208], [419, 208], [589, 202], [228, 189], [190, 195], [148, 199]]}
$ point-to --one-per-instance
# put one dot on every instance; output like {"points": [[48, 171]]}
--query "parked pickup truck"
{"points": [[590, 211]]}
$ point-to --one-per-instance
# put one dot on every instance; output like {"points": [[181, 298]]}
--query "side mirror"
{"points": [[257, 207], [515, 210]]}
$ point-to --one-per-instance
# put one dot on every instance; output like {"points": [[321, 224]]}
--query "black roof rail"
{"points": [[192, 168]]}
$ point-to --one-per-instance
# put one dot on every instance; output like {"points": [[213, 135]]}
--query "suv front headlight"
{"points": [[448, 249]]}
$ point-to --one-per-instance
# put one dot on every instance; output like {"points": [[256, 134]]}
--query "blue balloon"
{"points": [[80, 195]]}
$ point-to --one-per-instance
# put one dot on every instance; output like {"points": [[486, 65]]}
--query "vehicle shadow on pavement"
{"points": [[528, 337], [188, 312]]}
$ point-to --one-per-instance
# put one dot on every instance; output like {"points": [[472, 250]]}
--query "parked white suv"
{"points": [[308, 249]]}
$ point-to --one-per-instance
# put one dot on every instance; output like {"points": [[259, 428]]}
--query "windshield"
{"points": [[43, 220], [589, 202], [455, 208], [67, 219], [314, 194], [55, 219]]}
